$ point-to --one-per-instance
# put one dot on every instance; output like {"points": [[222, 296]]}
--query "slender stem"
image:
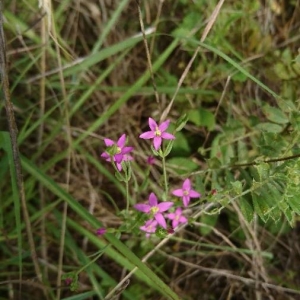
{"points": [[93, 260], [165, 175], [127, 195]]}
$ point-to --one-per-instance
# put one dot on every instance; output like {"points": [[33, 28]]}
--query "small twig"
{"points": [[218, 107], [254, 163], [160, 5]]}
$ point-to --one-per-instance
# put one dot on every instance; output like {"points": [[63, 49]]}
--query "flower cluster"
{"points": [[157, 212], [155, 209]]}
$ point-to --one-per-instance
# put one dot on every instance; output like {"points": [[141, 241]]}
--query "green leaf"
{"points": [[183, 165], [181, 146], [272, 144], [119, 176], [294, 203], [237, 187], [274, 114], [269, 127], [239, 77], [210, 221], [181, 122], [5, 144], [169, 148], [214, 163], [295, 120], [263, 170], [262, 201], [246, 209], [202, 117]]}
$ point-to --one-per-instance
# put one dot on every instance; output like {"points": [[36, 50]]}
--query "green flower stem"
{"points": [[165, 174], [114, 165], [127, 196], [98, 255]]}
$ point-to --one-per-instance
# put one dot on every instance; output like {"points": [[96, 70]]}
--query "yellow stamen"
{"points": [[157, 132], [154, 209]]}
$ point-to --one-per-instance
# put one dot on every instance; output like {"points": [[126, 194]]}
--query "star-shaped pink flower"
{"points": [[157, 133], [155, 209], [177, 217], [149, 227], [121, 151], [186, 192]]}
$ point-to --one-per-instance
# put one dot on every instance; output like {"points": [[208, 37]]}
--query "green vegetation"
{"points": [[226, 75]]}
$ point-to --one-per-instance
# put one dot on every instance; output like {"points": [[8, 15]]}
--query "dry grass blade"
{"points": [[148, 54]]}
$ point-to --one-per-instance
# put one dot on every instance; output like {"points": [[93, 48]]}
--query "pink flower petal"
{"points": [[109, 142], [175, 223], [167, 136], [152, 124], [178, 211], [182, 219], [164, 125], [152, 200], [150, 160], [186, 185], [119, 166], [147, 135], [194, 194], [171, 216], [163, 206], [126, 150], [161, 220], [118, 158], [149, 226], [100, 231], [186, 200], [143, 207], [178, 193], [127, 157], [157, 142], [105, 155], [121, 141]]}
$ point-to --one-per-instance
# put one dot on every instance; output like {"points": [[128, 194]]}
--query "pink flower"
{"points": [[155, 209], [157, 133], [149, 227], [177, 217], [150, 160], [186, 192], [100, 231], [68, 281], [120, 152]]}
